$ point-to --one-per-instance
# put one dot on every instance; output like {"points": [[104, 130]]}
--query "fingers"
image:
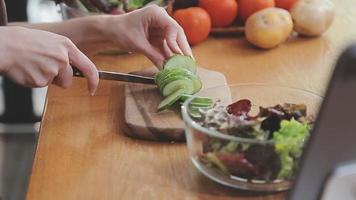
{"points": [[152, 53], [87, 67], [174, 34], [171, 38], [183, 43], [166, 50], [65, 77], [162, 46]]}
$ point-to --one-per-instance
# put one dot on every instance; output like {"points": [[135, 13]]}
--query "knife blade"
{"points": [[116, 76]]}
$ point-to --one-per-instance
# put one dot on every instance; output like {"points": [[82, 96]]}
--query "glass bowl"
{"points": [[237, 169]]}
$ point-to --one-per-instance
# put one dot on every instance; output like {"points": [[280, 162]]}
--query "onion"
{"points": [[312, 17]]}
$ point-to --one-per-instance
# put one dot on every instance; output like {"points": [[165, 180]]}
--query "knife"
{"points": [[116, 76]]}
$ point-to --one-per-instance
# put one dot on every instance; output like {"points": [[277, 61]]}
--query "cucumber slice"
{"points": [[170, 100], [194, 113], [178, 74], [165, 82], [166, 73], [201, 105], [178, 78], [196, 104], [185, 84], [197, 99], [192, 85], [197, 84], [180, 61]]}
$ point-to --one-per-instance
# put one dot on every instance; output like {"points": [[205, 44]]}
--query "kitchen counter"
{"points": [[83, 153]]}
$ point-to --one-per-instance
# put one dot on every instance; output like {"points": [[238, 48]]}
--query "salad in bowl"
{"points": [[248, 145]]}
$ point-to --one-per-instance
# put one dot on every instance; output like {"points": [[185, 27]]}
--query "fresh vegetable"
{"points": [[285, 4], [281, 130], [240, 108], [249, 7], [196, 23], [171, 99], [181, 61], [222, 12], [178, 80], [269, 27], [289, 140], [134, 4], [312, 17]]}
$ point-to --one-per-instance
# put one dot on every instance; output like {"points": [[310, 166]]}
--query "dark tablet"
{"points": [[333, 139]]}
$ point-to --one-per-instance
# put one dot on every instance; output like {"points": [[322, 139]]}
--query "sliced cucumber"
{"points": [[180, 61], [201, 105], [194, 113], [171, 99], [197, 84], [178, 78], [165, 82], [168, 80], [185, 84], [167, 73], [198, 101]]}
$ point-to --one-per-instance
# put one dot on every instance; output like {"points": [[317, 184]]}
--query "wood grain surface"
{"points": [[83, 153], [143, 121]]}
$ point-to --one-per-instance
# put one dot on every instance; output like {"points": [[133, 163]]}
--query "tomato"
{"points": [[285, 4], [248, 7], [222, 12], [196, 23]]}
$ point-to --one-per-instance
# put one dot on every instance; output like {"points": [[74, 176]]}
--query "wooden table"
{"points": [[82, 152]]}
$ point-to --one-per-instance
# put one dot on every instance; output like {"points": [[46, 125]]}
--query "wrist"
{"points": [[94, 29], [113, 26], [93, 32], [6, 48]]}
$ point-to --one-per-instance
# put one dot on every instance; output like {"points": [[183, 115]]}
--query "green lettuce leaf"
{"points": [[289, 143], [135, 4]]}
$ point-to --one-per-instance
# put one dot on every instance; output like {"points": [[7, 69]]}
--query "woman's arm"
{"points": [[149, 30], [37, 58], [84, 32]]}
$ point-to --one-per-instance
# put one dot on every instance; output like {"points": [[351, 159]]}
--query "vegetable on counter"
{"points": [[289, 140], [269, 27], [196, 23], [249, 7], [279, 131], [312, 17], [178, 80], [222, 12], [285, 4]]}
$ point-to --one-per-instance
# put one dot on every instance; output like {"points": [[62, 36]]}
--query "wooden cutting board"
{"points": [[141, 119]]}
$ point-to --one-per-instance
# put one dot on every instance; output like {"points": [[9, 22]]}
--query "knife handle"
{"points": [[77, 72]]}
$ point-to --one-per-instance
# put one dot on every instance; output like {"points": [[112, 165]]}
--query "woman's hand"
{"points": [[37, 58], [150, 31]]}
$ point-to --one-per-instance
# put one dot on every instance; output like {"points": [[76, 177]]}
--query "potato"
{"points": [[312, 17], [269, 27]]}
